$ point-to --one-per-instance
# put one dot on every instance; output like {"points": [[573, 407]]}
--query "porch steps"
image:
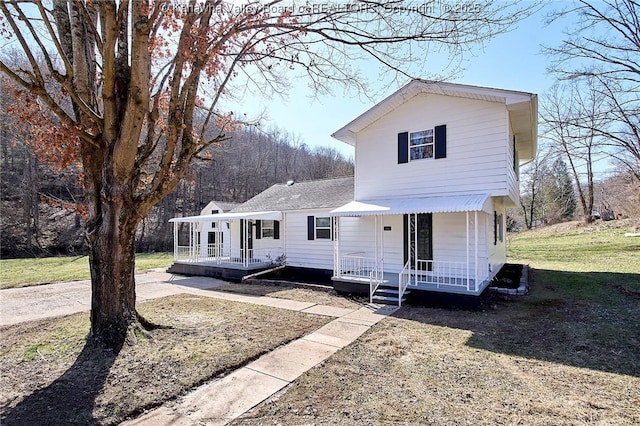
{"points": [[388, 295]]}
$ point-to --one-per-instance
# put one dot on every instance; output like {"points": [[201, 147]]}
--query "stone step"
{"points": [[387, 299]]}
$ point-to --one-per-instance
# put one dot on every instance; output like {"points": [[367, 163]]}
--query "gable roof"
{"points": [[221, 205], [313, 194], [226, 206], [522, 107]]}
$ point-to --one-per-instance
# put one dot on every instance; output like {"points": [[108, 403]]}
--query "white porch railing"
{"points": [[356, 265], [181, 253], [218, 254], [442, 274], [404, 278], [375, 278]]}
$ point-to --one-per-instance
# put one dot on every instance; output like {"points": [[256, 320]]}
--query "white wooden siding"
{"points": [[268, 246], [450, 238], [301, 252], [477, 138], [357, 236]]}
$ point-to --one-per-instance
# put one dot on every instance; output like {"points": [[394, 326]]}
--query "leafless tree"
{"points": [[570, 114]]}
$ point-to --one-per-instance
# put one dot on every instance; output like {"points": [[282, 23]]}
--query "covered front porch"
{"points": [[389, 247], [227, 244]]}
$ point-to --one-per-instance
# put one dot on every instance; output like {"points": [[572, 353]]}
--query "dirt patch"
{"points": [[302, 293], [508, 276], [49, 376], [625, 291]]}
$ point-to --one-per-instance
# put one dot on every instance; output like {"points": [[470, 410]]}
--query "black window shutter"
{"points": [[241, 234], [515, 156], [276, 229], [311, 228], [403, 147], [258, 229], [495, 228], [441, 141]]}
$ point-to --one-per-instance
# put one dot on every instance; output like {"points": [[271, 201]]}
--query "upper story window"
{"points": [[213, 224], [431, 143], [421, 145]]}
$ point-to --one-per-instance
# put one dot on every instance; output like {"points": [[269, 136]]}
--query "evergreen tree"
{"points": [[559, 196]]}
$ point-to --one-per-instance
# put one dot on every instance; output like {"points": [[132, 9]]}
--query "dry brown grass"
{"points": [[282, 290], [535, 361], [49, 376]]}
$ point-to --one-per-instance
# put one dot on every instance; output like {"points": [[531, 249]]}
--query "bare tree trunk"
{"points": [[113, 298]]}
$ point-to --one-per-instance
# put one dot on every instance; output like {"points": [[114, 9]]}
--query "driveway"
{"points": [[52, 300]]}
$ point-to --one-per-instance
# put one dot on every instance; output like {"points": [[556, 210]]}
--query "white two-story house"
{"points": [[436, 165]]}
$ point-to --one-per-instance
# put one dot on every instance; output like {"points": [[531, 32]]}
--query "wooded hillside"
{"points": [[38, 203]]}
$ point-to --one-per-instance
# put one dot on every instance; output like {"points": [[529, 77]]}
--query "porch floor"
{"points": [[228, 264], [223, 270]]}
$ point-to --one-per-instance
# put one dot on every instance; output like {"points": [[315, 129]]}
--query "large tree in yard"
{"points": [[137, 89]]}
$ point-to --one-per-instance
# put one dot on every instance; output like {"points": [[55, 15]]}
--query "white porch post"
{"points": [[194, 235], [467, 228], [203, 241], [246, 242], [475, 266], [382, 240], [175, 241], [229, 247], [190, 241], [336, 246], [375, 239]]}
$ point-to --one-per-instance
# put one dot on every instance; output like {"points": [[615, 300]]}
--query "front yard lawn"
{"points": [[565, 354], [49, 376], [36, 271]]}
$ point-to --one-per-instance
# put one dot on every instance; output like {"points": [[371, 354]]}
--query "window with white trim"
{"points": [[267, 229], [421, 145], [323, 228]]}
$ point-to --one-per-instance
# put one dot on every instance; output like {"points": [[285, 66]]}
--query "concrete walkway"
{"points": [[52, 300], [222, 400]]}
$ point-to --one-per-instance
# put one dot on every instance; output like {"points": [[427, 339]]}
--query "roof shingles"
{"points": [[313, 194]]}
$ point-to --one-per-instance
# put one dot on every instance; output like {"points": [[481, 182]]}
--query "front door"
{"points": [[418, 239]]}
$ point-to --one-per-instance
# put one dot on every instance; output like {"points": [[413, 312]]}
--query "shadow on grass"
{"points": [[587, 320], [70, 398]]}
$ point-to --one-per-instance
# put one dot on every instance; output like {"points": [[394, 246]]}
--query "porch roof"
{"points": [[436, 204], [266, 215]]}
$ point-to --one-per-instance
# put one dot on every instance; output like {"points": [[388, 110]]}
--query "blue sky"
{"points": [[511, 60]]}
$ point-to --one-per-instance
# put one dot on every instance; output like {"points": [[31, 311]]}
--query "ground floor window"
{"points": [[323, 228], [267, 228]]}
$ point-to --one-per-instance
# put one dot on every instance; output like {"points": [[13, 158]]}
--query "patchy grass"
{"points": [[588, 263], [573, 246], [312, 294], [565, 354], [49, 376], [28, 272]]}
